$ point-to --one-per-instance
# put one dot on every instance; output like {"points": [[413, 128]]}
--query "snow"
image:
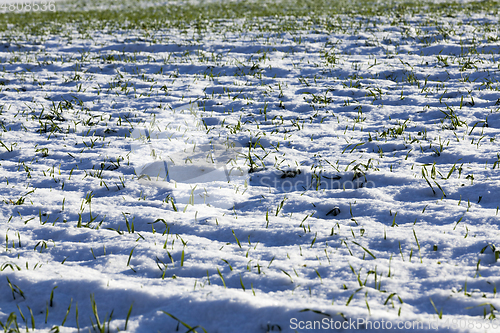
{"points": [[370, 194]]}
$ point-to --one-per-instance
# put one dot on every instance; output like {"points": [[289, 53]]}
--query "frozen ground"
{"points": [[369, 192]]}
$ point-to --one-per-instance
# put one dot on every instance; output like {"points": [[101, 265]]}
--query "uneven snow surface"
{"points": [[369, 185]]}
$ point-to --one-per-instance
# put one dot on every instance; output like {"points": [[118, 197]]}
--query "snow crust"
{"points": [[369, 189]]}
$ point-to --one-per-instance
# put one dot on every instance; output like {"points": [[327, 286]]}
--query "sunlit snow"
{"points": [[350, 167]]}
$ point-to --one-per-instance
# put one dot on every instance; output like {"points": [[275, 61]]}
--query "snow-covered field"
{"points": [[367, 187]]}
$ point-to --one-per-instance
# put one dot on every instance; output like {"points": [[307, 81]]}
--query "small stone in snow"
{"points": [[335, 211]]}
